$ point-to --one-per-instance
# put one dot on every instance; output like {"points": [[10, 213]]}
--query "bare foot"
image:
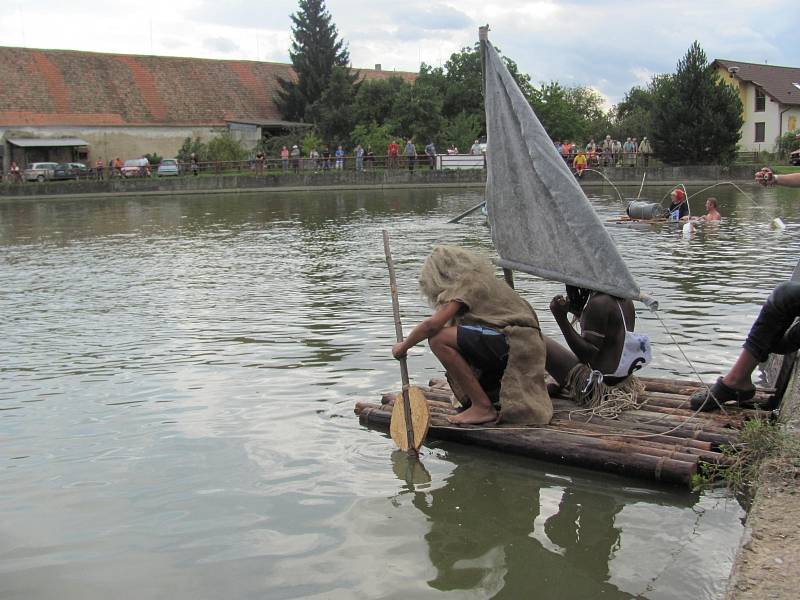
{"points": [[474, 415]]}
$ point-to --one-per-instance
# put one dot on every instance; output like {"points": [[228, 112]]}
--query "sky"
{"points": [[609, 45]]}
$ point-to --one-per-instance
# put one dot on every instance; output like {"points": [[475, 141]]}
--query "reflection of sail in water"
{"points": [[481, 535], [542, 222]]}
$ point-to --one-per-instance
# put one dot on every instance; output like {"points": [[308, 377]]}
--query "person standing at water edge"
{"points": [[486, 336], [599, 364], [410, 153]]}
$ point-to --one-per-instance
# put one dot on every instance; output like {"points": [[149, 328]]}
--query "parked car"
{"points": [[39, 171], [70, 171], [794, 157], [136, 167], [168, 166]]}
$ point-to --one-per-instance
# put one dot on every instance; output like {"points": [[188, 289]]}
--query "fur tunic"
{"points": [[453, 273]]}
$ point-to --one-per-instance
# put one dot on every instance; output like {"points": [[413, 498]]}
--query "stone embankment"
{"points": [[767, 564], [233, 183]]}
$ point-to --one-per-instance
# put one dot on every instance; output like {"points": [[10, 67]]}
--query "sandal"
{"points": [[712, 398]]}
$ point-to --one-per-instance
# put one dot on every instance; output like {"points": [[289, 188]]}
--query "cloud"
{"points": [[221, 44]]}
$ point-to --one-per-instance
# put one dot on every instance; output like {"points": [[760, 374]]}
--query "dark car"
{"points": [[70, 171], [794, 157]]}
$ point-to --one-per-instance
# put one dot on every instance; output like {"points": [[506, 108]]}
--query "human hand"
{"points": [[765, 177], [559, 307], [398, 350]]}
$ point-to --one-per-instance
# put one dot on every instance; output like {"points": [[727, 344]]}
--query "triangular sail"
{"points": [[542, 222]]}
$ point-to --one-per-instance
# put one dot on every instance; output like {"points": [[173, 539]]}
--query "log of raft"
{"points": [[664, 440]]}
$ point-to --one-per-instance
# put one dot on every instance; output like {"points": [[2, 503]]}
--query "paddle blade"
{"points": [[420, 419]]}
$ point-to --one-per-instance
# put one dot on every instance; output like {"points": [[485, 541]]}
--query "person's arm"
{"points": [[586, 345], [767, 178], [428, 328]]}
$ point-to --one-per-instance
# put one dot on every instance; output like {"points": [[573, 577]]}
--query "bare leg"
{"points": [[445, 347], [559, 362], [738, 377]]}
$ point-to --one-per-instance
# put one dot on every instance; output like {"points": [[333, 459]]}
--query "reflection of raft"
{"points": [[658, 442]]}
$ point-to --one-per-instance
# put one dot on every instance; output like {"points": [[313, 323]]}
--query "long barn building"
{"points": [[64, 105]]}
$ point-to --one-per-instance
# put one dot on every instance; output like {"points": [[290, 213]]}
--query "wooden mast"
{"points": [[483, 37]]}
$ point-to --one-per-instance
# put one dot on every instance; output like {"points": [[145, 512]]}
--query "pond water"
{"points": [[177, 381]]}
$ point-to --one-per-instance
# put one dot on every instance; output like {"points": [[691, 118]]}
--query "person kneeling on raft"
{"points": [[486, 336], [773, 332], [601, 359]]}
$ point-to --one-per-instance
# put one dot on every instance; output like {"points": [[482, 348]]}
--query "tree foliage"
{"points": [[226, 148], [332, 112], [696, 117], [317, 54], [192, 145], [788, 142]]}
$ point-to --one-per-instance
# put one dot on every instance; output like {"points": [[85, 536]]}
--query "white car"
{"points": [[39, 171]]}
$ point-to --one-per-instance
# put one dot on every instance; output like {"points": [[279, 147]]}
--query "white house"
{"points": [[770, 97]]}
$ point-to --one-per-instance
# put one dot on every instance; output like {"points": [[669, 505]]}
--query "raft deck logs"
{"points": [[662, 441]]}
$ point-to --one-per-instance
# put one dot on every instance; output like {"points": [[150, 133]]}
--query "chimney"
{"points": [[377, 66]]}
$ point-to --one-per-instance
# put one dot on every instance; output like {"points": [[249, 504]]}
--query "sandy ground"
{"points": [[768, 562]]}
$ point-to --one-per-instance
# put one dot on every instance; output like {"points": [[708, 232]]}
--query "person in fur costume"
{"points": [[486, 336]]}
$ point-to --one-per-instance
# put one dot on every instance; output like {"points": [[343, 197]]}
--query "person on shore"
{"points": [[486, 336], [767, 178], [679, 207], [260, 161], [326, 159], [195, 165], [712, 214], [430, 152], [629, 148], [579, 163], [773, 332], [616, 153], [14, 171], [295, 154], [313, 157], [99, 167], [339, 155], [597, 367], [118, 166], [369, 160], [410, 153], [393, 151], [475, 149], [285, 159], [645, 150], [359, 152]]}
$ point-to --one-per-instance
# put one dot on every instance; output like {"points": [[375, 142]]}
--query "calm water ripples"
{"points": [[178, 378]]}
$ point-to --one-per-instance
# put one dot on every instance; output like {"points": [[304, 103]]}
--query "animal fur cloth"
{"points": [[453, 273], [587, 389]]}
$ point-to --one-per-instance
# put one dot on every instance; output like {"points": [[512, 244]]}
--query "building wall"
{"points": [[775, 124], [112, 142]]}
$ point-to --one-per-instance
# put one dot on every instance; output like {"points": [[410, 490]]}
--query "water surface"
{"points": [[177, 379]]}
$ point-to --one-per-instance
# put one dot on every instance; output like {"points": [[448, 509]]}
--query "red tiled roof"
{"points": [[71, 88], [779, 83]]}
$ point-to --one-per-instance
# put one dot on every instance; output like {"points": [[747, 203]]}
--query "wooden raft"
{"points": [[662, 441]]}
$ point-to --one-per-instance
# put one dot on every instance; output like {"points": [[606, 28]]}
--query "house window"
{"points": [[761, 100], [760, 132], [792, 123]]}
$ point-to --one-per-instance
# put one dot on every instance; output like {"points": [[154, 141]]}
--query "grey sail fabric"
{"points": [[542, 222]]}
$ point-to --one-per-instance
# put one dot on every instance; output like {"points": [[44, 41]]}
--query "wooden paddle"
{"points": [[410, 415]]}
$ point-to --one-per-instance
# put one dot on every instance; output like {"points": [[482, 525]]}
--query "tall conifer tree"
{"points": [[316, 52], [696, 117]]}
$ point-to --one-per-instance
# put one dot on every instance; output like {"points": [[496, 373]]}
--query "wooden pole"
{"points": [[398, 327]]}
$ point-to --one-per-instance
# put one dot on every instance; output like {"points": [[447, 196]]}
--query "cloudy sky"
{"points": [[609, 45]]}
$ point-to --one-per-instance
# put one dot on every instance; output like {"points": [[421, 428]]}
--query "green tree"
{"points": [[696, 117], [310, 142], [570, 113], [633, 115], [226, 148], [461, 131], [192, 146], [316, 53], [332, 112], [375, 98], [788, 142], [377, 136], [417, 112]]}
